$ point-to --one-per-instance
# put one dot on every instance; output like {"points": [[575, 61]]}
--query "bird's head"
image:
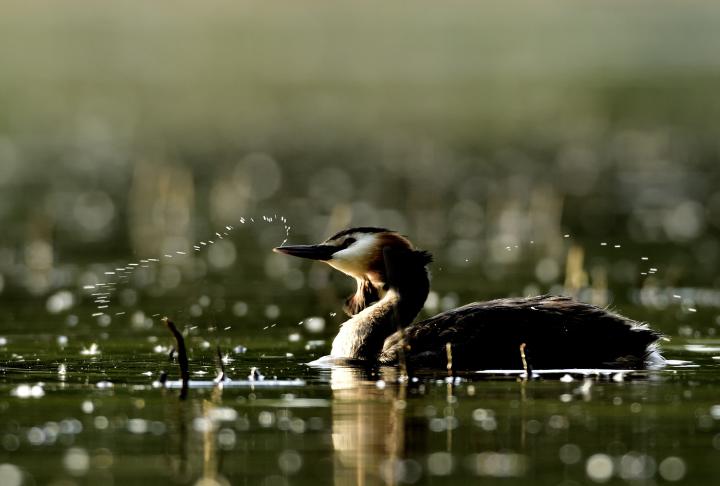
{"points": [[376, 257]]}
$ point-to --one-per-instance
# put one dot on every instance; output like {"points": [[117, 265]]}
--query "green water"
{"points": [[103, 422]]}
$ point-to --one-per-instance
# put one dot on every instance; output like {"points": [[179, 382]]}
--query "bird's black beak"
{"points": [[312, 252]]}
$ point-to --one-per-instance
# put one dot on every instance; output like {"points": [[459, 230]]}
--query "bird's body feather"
{"points": [[558, 332]]}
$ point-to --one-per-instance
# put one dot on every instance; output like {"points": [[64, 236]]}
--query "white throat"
{"points": [[345, 342]]}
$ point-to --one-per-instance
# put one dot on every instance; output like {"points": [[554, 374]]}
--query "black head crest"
{"points": [[423, 257], [360, 229], [403, 267]]}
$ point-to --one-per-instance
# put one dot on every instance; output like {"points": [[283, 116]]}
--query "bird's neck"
{"points": [[363, 335]]}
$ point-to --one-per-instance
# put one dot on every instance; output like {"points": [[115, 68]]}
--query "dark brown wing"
{"points": [[559, 332]]}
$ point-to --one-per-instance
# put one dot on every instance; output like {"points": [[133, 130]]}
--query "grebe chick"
{"points": [[392, 285]]}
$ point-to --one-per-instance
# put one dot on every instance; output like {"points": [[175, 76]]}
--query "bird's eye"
{"points": [[348, 242]]}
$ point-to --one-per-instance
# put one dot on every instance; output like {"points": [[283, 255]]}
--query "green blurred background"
{"points": [[484, 131], [565, 147]]}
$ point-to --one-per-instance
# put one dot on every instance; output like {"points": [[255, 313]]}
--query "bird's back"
{"points": [[558, 332]]}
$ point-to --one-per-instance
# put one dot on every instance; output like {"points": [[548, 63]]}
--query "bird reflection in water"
{"points": [[379, 438], [368, 427]]}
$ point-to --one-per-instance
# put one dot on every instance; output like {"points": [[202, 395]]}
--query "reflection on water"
{"points": [[373, 435], [368, 427], [382, 435], [347, 426]]}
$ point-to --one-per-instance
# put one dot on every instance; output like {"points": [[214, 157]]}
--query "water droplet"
{"points": [[10, 475], [599, 467], [76, 461]]}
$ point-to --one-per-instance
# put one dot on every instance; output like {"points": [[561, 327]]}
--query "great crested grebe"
{"points": [[392, 285]]}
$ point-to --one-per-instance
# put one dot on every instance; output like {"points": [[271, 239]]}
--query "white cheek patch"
{"points": [[359, 250], [353, 260]]}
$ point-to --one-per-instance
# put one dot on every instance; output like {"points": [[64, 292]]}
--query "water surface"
{"points": [[73, 418]]}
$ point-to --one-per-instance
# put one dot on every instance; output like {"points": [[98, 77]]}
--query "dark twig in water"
{"points": [[221, 366], [450, 411], [523, 357], [181, 355], [401, 352]]}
